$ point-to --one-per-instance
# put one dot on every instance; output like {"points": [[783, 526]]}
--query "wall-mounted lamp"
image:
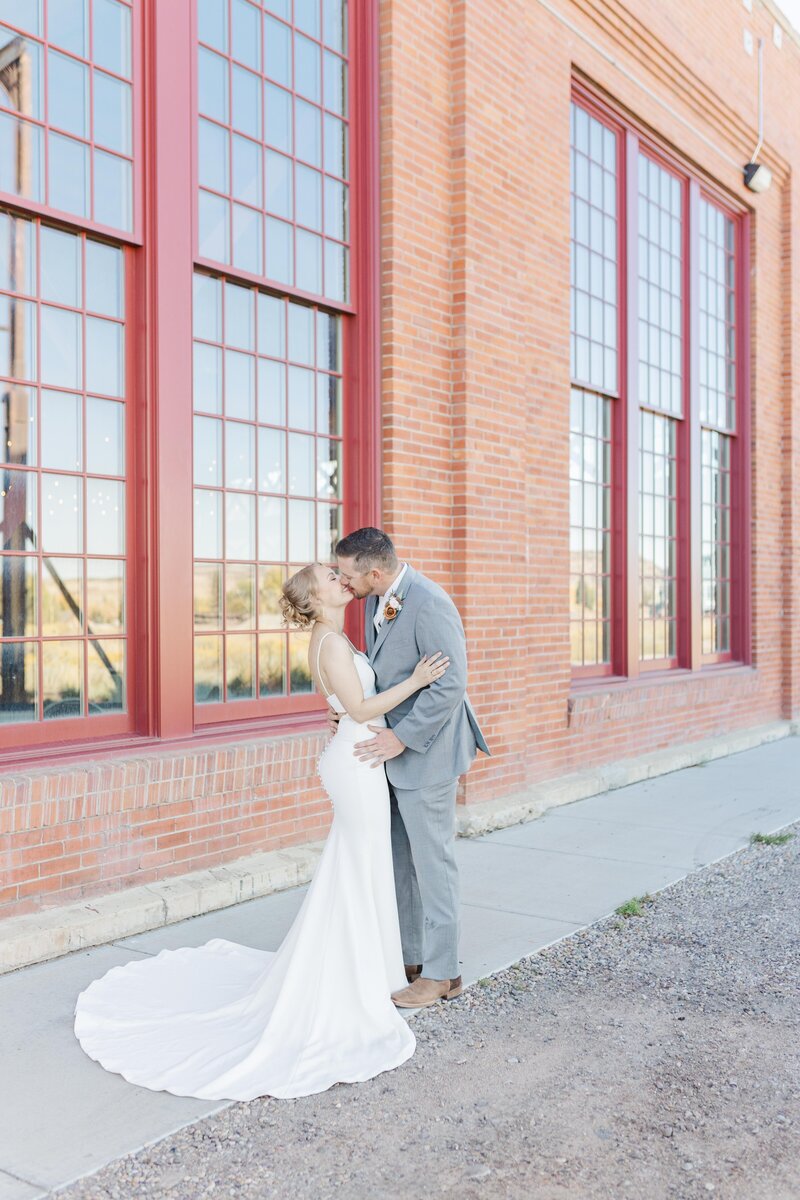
{"points": [[758, 177]]}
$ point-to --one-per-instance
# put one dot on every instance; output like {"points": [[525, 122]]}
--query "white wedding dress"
{"points": [[228, 1022]]}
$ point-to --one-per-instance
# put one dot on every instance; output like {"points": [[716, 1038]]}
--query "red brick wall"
{"points": [[475, 318]]}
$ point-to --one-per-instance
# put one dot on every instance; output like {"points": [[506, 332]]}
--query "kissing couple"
{"points": [[378, 928]]}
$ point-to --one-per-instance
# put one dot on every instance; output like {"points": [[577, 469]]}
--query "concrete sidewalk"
{"points": [[63, 1116]]}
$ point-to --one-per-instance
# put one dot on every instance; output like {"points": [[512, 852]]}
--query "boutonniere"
{"points": [[394, 602]]}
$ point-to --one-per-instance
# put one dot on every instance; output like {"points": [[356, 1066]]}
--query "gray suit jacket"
{"points": [[437, 724]]}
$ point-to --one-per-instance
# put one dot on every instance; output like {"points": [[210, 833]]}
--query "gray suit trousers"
{"points": [[426, 876]]}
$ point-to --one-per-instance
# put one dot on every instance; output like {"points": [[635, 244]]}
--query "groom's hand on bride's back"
{"points": [[333, 720]]}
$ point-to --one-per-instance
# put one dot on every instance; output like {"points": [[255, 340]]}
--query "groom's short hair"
{"points": [[369, 548]]}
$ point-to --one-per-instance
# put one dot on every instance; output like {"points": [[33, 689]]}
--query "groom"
{"points": [[430, 740]]}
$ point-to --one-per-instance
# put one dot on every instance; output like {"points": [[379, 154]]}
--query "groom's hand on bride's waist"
{"points": [[333, 720], [377, 750]]}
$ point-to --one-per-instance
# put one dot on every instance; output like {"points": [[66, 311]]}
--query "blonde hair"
{"points": [[298, 599]]}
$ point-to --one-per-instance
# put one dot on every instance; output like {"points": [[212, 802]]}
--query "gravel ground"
{"points": [[655, 1056]]}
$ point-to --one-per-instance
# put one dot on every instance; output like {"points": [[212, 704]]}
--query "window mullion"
{"points": [[691, 591], [629, 664]]}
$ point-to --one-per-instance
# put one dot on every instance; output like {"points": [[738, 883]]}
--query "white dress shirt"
{"points": [[393, 587]]}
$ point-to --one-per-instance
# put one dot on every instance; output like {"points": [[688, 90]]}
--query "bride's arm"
{"points": [[341, 674]]}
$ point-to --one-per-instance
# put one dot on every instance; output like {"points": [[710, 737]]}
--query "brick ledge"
{"points": [[51, 933]]}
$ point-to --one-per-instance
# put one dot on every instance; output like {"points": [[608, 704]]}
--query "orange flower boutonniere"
{"points": [[392, 606]]}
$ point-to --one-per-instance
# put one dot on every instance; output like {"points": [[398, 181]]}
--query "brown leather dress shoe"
{"points": [[412, 972], [424, 992]]}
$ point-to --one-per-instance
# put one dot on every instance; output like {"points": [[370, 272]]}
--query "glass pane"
{"points": [[68, 26], [104, 278], [278, 117], [337, 272], [335, 146], [213, 85], [18, 608], [306, 16], [17, 338], [272, 665], [240, 664], [61, 267], [212, 164], [240, 596], [301, 334], [113, 195], [105, 516], [105, 437], [271, 529], [307, 68], [335, 84], [301, 398], [112, 113], [300, 674], [106, 673], [62, 442], [329, 531], [17, 254], [334, 18], [62, 596], [240, 392], [246, 98], [247, 252], [309, 197], [212, 23], [271, 392], [207, 524], [277, 51], [105, 596], [18, 522], [329, 408], [245, 33], [301, 465], [207, 378], [214, 213], [270, 581], [111, 47], [62, 682], [22, 87], [19, 682], [207, 307], [208, 451], [68, 93], [240, 526], [104, 356], [61, 347], [239, 316], [328, 342], [246, 170], [25, 14], [328, 467], [68, 163], [207, 596], [279, 251], [309, 261], [240, 467], [279, 181], [309, 132], [271, 325], [336, 209], [21, 158], [301, 531], [207, 669], [18, 414]]}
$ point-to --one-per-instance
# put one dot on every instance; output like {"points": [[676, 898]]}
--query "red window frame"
{"points": [[625, 649], [159, 297]]}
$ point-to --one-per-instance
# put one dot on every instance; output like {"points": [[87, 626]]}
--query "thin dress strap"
{"points": [[319, 675]]}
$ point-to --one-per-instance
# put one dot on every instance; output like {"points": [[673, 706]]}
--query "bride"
{"points": [[224, 1021]]}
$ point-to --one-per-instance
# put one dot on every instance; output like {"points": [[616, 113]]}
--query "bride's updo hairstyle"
{"points": [[299, 600]]}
